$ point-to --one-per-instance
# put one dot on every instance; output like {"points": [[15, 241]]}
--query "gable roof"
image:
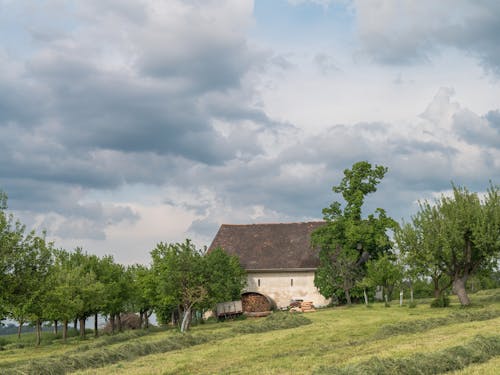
{"points": [[269, 246]]}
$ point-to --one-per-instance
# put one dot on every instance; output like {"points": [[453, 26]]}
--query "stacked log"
{"points": [[307, 306], [254, 302]]}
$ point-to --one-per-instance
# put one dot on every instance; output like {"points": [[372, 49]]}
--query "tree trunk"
{"points": [[119, 320], [112, 321], [141, 319], [186, 320], [366, 296], [146, 323], [38, 332], [347, 296], [401, 298], [96, 331], [437, 290], [75, 324], [411, 293], [19, 329], [82, 328], [65, 329], [55, 327], [459, 290]]}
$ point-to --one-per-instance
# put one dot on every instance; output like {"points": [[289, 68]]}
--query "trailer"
{"points": [[228, 309]]}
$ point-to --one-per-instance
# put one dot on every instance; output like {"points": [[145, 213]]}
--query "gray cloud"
{"points": [[94, 107], [397, 33], [481, 130], [120, 98]]}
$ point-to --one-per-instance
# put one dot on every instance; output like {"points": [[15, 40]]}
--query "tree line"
{"points": [[447, 242], [41, 283]]}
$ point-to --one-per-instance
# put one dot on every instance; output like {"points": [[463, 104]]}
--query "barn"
{"points": [[278, 258]]}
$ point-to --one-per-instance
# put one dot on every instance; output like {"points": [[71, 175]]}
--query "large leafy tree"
{"points": [[88, 290], [386, 272], [12, 236], [117, 289], [460, 234], [142, 293], [63, 296], [33, 276], [225, 277], [348, 240], [181, 276], [187, 278], [418, 252]]}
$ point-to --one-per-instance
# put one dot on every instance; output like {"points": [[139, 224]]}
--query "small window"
{"points": [[291, 282], [258, 282]]}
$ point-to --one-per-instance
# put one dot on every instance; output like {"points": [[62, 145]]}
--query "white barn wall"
{"points": [[278, 286]]}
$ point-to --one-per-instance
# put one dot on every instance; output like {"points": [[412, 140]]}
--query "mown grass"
{"points": [[478, 350], [328, 340], [98, 355]]}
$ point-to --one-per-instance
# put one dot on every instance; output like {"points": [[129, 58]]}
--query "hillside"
{"points": [[353, 340]]}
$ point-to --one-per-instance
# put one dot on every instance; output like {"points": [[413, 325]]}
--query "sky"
{"points": [[124, 123]]}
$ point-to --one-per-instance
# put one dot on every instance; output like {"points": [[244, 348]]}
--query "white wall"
{"points": [[278, 286]]}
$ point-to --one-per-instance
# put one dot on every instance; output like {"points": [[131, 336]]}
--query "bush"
{"points": [[412, 304], [3, 342], [442, 301]]}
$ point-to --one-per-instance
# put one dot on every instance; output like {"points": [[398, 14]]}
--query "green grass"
{"points": [[339, 340]]}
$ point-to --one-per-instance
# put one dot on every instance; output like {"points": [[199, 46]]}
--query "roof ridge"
{"points": [[276, 223]]}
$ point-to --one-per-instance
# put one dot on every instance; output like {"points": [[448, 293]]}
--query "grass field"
{"points": [[354, 340]]}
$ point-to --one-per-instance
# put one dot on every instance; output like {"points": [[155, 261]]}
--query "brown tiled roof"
{"points": [[269, 246]]}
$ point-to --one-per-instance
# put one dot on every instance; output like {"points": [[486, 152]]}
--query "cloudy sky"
{"points": [[128, 122]]}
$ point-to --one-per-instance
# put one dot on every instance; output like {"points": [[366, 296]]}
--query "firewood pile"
{"points": [[302, 306], [253, 302], [307, 307]]}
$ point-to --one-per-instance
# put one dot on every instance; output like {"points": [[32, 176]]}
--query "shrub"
{"points": [[442, 301]]}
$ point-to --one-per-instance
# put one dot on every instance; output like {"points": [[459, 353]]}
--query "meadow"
{"points": [[339, 340]]}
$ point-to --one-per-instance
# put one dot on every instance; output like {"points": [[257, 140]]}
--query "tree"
{"points": [[180, 267], [33, 276], [418, 252], [12, 235], [88, 293], [385, 272], [143, 292], [188, 278], [463, 232], [225, 277], [116, 282], [70, 289], [347, 240]]}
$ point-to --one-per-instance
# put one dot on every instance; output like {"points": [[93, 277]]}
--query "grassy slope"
{"points": [[336, 337]]}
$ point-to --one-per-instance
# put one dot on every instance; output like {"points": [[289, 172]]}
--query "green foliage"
{"points": [[384, 271], [347, 240], [442, 301], [225, 277], [188, 279], [458, 236]]}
